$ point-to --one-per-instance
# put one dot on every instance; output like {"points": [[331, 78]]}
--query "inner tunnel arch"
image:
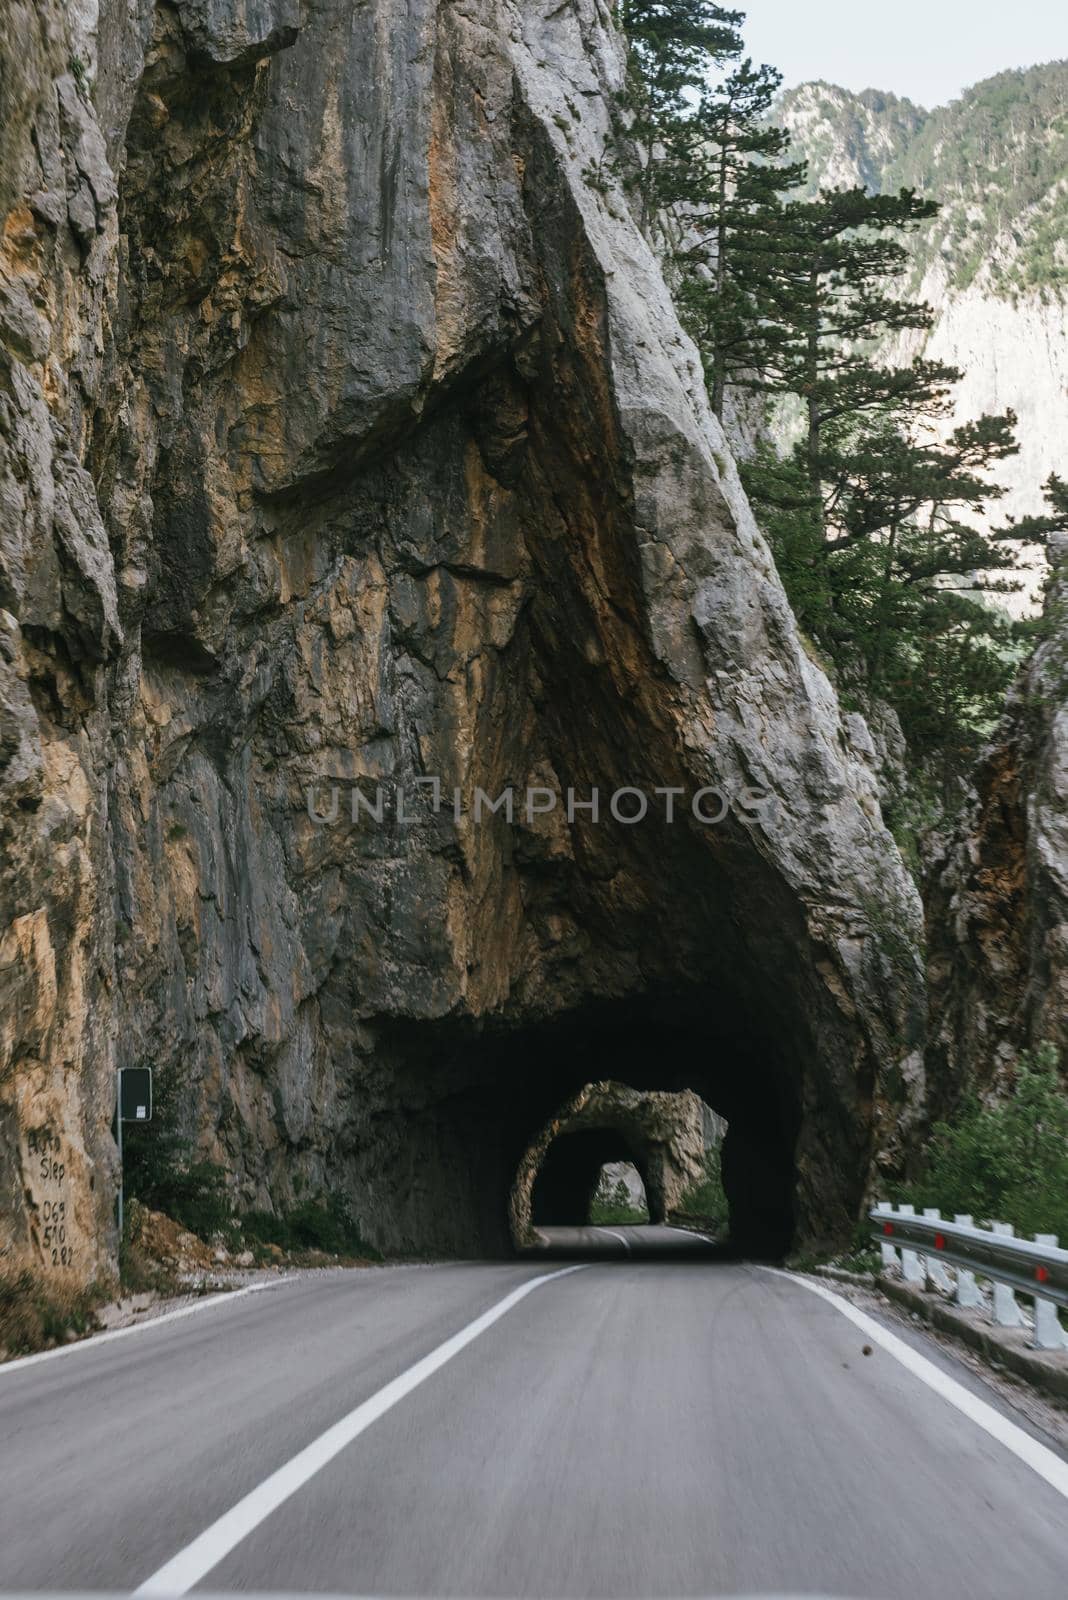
{"points": [[479, 1099], [565, 1184]]}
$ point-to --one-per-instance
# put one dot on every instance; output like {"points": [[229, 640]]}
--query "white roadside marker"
{"points": [[1033, 1454], [193, 1563]]}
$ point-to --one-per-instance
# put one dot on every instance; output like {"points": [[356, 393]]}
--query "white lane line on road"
{"points": [[95, 1340], [193, 1563], [1044, 1461], [691, 1233], [612, 1235]]}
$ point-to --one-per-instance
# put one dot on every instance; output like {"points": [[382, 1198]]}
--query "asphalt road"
{"points": [[624, 1428], [617, 1240]]}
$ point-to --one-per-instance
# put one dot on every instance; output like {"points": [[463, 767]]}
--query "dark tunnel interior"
{"points": [[476, 1099], [568, 1176]]}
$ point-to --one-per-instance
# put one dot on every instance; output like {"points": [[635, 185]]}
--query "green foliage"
{"points": [[727, 185], [866, 131], [325, 1224], [706, 1200], [995, 158], [163, 1170], [673, 44], [1006, 1162], [998, 156], [165, 1173], [612, 1204], [35, 1315], [868, 515]]}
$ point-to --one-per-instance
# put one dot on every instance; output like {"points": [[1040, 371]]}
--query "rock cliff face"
{"points": [[998, 913], [350, 439]]}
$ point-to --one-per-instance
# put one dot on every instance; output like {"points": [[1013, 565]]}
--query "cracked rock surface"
{"points": [[998, 907]]}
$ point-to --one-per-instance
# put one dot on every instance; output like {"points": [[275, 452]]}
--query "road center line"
{"points": [[1037, 1456], [624, 1242], [193, 1563]]}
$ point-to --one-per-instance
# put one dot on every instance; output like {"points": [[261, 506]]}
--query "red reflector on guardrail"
{"points": [[940, 1241], [888, 1227], [1042, 1274]]}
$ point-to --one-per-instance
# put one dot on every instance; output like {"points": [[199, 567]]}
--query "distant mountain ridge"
{"points": [[994, 263], [996, 159], [849, 138]]}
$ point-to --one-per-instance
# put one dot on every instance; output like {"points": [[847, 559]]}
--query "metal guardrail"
{"points": [[1037, 1268]]}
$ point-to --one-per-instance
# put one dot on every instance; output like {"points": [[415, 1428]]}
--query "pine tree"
{"points": [[1037, 529], [835, 261], [729, 189], [872, 516], [674, 44]]}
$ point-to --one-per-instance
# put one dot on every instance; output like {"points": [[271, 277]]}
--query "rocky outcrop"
{"points": [[60, 640], [998, 910], [352, 441], [850, 140], [661, 1135]]}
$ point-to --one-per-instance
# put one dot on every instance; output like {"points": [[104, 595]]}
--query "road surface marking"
{"points": [[1037, 1456], [96, 1339], [691, 1233], [193, 1563], [624, 1242]]}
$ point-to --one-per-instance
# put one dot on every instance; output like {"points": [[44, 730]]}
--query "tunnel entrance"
{"points": [[482, 1106], [569, 1178]]}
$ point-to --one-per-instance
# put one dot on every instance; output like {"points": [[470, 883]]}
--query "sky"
{"points": [[926, 50]]}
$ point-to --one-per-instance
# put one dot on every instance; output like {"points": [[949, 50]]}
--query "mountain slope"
{"points": [[994, 263]]}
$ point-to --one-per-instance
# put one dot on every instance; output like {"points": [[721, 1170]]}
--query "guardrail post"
{"points": [[911, 1266], [935, 1270], [1007, 1313], [967, 1288], [1049, 1335], [886, 1250]]}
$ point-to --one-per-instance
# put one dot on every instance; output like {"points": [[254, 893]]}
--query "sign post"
{"points": [[133, 1104]]}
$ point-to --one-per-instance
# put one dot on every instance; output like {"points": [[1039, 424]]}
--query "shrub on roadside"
{"points": [[35, 1316], [1006, 1162], [324, 1224], [706, 1200]]}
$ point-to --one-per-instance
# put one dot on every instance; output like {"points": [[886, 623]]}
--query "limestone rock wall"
{"points": [[998, 910], [350, 438]]}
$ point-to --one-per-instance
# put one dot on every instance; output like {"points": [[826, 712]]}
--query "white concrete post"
{"points": [[1007, 1313], [1049, 1335], [886, 1249], [967, 1288], [911, 1265], [935, 1270]]}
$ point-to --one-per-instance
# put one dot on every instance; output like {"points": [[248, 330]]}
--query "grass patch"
{"points": [[325, 1224], [35, 1316]]}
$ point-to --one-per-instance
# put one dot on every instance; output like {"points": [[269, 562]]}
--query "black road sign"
{"points": [[135, 1094]]}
